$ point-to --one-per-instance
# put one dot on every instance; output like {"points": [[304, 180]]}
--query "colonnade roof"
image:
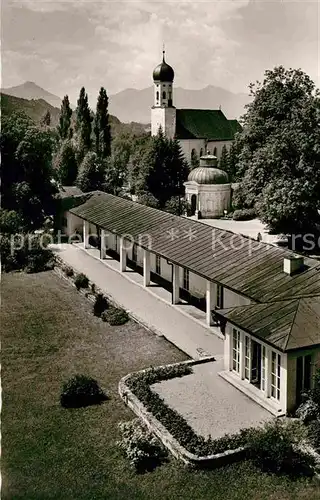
{"points": [[248, 267]]}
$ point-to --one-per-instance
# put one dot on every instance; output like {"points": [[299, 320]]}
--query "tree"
{"points": [[91, 174], [224, 159], [34, 189], [159, 169], [148, 199], [83, 122], [46, 119], [280, 150], [64, 127], [233, 158], [101, 126], [178, 206], [66, 165], [194, 159]]}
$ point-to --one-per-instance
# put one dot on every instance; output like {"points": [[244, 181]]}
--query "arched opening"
{"points": [[214, 151], [157, 96], [193, 204], [164, 95], [201, 152]]}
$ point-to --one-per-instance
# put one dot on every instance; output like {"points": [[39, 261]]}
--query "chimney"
{"points": [[293, 264]]}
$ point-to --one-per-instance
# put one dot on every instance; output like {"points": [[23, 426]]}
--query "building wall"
{"points": [[74, 224], [187, 145], [292, 372], [219, 145], [212, 199], [165, 118]]}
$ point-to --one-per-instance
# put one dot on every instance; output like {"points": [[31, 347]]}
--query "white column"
{"points": [[123, 256], [209, 302], [175, 283], [146, 268], [86, 234], [103, 237], [227, 349], [283, 381]]}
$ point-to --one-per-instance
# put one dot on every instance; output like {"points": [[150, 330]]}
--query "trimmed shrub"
{"points": [[140, 446], [273, 448], [244, 214], [68, 271], [81, 391], [100, 305], [115, 316], [81, 281]]}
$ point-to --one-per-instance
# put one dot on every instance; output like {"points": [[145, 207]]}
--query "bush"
{"points": [[140, 446], [244, 214], [314, 434], [273, 448], [68, 271], [148, 199], [308, 411], [81, 391], [178, 206], [81, 281], [115, 316], [28, 252], [100, 305]]}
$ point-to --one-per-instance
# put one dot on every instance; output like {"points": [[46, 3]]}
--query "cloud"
{"points": [[64, 45]]}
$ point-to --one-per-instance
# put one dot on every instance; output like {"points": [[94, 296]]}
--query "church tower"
{"points": [[163, 113]]}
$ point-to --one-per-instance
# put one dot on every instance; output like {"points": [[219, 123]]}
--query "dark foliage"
{"points": [[100, 305], [81, 281], [115, 316], [25, 252], [81, 391], [244, 214]]}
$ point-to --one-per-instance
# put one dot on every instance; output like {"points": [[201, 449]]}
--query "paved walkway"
{"points": [[181, 325], [209, 403]]}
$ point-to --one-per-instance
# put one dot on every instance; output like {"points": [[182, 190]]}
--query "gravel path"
{"points": [[209, 403]]}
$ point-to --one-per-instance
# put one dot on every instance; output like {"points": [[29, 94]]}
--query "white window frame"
{"points": [[247, 358], [235, 350], [275, 376]]}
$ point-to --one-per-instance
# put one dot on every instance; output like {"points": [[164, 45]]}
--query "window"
{"points": [[186, 279], [304, 375], [201, 152], [215, 151], [164, 95], [116, 243], [236, 350], [134, 253], [247, 357], [157, 96], [219, 297], [158, 264], [275, 375]]}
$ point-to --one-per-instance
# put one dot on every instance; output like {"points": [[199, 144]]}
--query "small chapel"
{"points": [[198, 130]]}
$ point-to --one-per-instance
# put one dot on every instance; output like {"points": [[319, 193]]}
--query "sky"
{"points": [[63, 45]]}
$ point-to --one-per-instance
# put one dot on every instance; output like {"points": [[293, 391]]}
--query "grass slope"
{"points": [[48, 334]]}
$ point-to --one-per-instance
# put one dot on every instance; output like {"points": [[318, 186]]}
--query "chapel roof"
{"points": [[209, 124]]}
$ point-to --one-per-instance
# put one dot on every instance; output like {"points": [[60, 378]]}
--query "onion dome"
{"points": [[207, 172], [163, 72]]}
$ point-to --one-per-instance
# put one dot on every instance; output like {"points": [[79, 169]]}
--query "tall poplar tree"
{"points": [[101, 126], [64, 127], [83, 121]]}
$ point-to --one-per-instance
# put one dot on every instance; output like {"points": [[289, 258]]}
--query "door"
{"points": [[256, 364], [193, 204]]}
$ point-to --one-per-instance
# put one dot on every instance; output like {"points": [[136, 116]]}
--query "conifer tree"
{"points": [[224, 159], [46, 119], [101, 126], [64, 127], [83, 121]]}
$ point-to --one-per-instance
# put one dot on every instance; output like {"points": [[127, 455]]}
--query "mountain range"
{"points": [[132, 105]]}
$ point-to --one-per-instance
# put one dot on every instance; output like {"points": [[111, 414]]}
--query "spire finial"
{"points": [[163, 51]]}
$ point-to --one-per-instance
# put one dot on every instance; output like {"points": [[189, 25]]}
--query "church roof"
{"points": [[210, 124], [288, 324]]}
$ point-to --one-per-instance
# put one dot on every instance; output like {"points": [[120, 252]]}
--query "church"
{"points": [[198, 130]]}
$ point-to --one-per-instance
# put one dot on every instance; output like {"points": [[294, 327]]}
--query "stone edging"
{"points": [[165, 436], [86, 292]]}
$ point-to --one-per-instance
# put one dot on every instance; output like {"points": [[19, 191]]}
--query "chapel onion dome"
{"points": [[163, 72], [208, 173]]}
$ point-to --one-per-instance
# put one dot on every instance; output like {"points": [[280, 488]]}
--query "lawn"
{"points": [[48, 334]]}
